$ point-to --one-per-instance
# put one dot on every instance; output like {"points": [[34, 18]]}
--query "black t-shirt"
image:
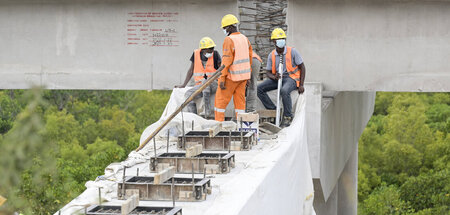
{"points": [[217, 59]]}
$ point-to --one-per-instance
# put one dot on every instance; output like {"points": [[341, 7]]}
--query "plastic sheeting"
{"points": [[272, 178]]}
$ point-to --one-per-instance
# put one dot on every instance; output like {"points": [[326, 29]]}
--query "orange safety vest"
{"points": [[293, 72], [199, 70], [240, 69], [256, 56]]}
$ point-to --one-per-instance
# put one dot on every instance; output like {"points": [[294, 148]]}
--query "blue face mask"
{"points": [[281, 43]]}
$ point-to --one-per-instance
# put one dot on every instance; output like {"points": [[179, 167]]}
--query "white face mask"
{"points": [[225, 32], [208, 55], [281, 43]]}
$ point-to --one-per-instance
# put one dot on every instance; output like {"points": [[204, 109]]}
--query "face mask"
{"points": [[281, 43], [225, 32], [208, 55]]}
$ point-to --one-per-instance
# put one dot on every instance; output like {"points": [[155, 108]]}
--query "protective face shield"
{"points": [[281, 43]]}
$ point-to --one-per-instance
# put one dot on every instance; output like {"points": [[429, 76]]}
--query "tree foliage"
{"points": [[53, 141], [404, 155]]}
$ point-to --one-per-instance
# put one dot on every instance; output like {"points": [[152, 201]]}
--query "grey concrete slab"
{"points": [[90, 44], [373, 45]]}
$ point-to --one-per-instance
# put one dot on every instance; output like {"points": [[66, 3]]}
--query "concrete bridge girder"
{"points": [[104, 44], [373, 45]]}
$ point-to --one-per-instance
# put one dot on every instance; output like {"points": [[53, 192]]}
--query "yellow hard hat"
{"points": [[278, 33], [229, 19], [206, 43]]}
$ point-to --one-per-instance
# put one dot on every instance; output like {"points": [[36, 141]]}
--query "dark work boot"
{"points": [[286, 121]]}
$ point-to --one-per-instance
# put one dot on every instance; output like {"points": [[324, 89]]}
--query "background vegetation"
{"points": [[52, 142], [404, 155]]}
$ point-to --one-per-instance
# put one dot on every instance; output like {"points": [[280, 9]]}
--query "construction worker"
{"points": [[204, 63], [250, 102], [293, 75], [237, 58]]}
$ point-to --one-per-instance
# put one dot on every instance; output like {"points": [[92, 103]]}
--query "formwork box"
{"points": [[220, 142], [226, 161], [163, 192]]}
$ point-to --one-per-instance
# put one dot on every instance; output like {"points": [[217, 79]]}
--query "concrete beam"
{"points": [[86, 44], [373, 45], [335, 121]]}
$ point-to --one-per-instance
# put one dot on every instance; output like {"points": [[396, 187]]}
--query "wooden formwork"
{"points": [[220, 142], [212, 162], [144, 210], [184, 189]]}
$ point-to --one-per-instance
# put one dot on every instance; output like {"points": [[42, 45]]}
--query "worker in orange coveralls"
{"points": [[237, 59]]}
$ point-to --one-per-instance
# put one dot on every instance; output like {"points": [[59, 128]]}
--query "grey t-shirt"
{"points": [[296, 59]]}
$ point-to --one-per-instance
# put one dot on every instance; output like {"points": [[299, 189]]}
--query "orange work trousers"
{"points": [[235, 89]]}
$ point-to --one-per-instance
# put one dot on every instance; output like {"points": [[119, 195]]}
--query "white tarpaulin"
{"points": [[272, 178]]}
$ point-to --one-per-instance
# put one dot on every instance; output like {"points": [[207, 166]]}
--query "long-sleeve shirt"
{"points": [[228, 55]]}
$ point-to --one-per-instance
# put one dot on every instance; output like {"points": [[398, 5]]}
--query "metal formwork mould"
{"points": [[222, 162], [220, 142], [199, 187], [141, 210]]}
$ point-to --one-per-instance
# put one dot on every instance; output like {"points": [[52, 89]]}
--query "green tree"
{"points": [[116, 125], [9, 109], [24, 151], [148, 107], [384, 200], [400, 161], [429, 190], [406, 121], [61, 126]]}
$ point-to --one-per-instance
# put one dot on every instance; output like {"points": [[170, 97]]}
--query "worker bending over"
{"points": [[250, 102], [293, 75], [237, 58], [204, 63]]}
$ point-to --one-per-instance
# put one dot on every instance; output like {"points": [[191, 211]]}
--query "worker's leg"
{"points": [[223, 97], [263, 88], [239, 97], [250, 102], [191, 107], [207, 92], [288, 86]]}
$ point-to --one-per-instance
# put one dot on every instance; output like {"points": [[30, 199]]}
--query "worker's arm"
{"points": [[189, 74], [269, 73], [250, 56], [227, 58], [250, 53], [302, 69]]}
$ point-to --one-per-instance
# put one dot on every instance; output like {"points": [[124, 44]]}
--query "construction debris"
{"points": [[194, 151], [164, 175], [130, 204], [215, 130], [269, 128]]}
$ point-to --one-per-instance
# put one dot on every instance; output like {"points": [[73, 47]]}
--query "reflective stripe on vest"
{"points": [[219, 110], [240, 69], [199, 70], [292, 71]]}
